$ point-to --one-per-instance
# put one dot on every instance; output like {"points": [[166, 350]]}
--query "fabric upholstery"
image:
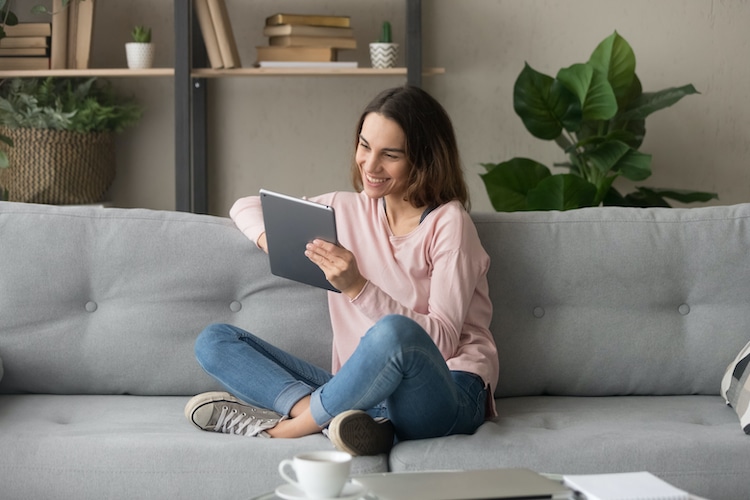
{"points": [[735, 387], [94, 447], [613, 325], [690, 441], [592, 302], [109, 301]]}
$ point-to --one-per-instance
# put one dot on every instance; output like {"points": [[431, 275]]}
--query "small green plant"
{"points": [[77, 104], [596, 112], [141, 34], [385, 33]]}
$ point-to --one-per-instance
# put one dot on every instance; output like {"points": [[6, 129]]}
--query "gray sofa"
{"points": [[614, 327]]}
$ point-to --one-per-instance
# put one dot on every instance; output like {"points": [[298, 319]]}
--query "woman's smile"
{"points": [[381, 157]]}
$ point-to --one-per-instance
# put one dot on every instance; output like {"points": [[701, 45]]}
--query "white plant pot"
{"points": [[383, 55], [140, 55]]}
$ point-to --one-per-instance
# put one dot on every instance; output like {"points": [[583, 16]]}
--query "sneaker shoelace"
{"points": [[232, 421]]}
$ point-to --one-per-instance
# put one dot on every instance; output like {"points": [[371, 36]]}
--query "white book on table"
{"points": [[624, 486]]}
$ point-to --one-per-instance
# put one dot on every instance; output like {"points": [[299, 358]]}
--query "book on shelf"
{"points": [[312, 41], [77, 36], [306, 30], [70, 46], [28, 29], [23, 63], [208, 33], [23, 51], [309, 64], [224, 35], [59, 41], [268, 53], [85, 28], [309, 19], [23, 42]]}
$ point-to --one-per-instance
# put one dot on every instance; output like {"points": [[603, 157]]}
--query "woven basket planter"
{"points": [[58, 167]]}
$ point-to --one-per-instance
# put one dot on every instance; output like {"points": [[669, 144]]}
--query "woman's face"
{"points": [[381, 157]]}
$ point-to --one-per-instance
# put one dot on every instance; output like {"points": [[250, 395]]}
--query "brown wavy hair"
{"points": [[435, 173]]}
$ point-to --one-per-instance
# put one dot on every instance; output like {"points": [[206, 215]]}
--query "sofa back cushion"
{"points": [[602, 301], [609, 301], [110, 301]]}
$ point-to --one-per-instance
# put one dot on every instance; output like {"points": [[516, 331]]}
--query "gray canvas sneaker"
{"points": [[222, 412], [357, 433]]}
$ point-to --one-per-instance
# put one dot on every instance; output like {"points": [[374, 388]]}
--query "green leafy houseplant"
{"points": [[76, 104], [141, 34], [595, 111], [62, 131]]}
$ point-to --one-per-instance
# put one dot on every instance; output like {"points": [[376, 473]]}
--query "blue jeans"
{"points": [[396, 372]]}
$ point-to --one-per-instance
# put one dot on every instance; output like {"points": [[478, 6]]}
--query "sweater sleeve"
{"points": [[247, 215]]}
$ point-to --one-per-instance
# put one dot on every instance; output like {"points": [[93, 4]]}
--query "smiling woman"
{"points": [[430, 149], [412, 352], [384, 170]]}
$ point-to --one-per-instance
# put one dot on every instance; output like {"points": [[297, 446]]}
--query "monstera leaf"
{"points": [[595, 111]]}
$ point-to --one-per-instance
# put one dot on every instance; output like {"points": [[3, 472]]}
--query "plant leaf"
{"points": [[603, 189], [650, 102], [3, 159], [508, 183], [544, 104], [597, 98], [681, 195], [616, 156], [9, 19], [615, 58], [635, 166], [605, 155], [561, 192]]}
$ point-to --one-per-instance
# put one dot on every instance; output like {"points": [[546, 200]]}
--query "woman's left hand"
{"points": [[339, 266]]}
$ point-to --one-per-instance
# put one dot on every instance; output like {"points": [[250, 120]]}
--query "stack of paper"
{"points": [[624, 486]]}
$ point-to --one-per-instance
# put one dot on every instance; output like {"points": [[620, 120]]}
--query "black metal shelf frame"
{"points": [[190, 106]]}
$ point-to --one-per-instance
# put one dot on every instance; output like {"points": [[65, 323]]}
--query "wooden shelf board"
{"points": [[75, 73], [213, 73], [221, 73]]}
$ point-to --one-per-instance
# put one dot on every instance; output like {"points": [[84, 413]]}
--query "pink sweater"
{"points": [[435, 275]]}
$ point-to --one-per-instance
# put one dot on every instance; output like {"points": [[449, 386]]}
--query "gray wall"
{"points": [[296, 134]]}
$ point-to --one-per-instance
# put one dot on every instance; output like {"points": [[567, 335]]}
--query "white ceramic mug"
{"points": [[320, 474]]}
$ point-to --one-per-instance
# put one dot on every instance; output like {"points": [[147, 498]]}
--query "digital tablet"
{"points": [[291, 223]]}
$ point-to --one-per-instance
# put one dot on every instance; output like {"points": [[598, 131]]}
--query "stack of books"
{"points": [[63, 43], [25, 46], [304, 40], [218, 36], [72, 31]]}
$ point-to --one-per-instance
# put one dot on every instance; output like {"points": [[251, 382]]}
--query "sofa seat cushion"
{"points": [[690, 441], [135, 447], [735, 386]]}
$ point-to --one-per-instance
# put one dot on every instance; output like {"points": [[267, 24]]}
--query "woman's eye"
{"points": [[363, 145]]}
